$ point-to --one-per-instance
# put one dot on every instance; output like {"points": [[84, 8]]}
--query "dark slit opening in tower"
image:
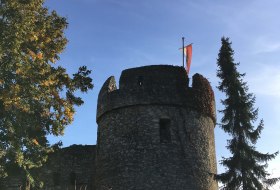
{"points": [[164, 130]]}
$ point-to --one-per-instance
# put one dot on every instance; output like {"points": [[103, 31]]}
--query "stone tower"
{"points": [[155, 132]]}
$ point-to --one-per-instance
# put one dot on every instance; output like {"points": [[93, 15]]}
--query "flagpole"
{"points": [[183, 40]]}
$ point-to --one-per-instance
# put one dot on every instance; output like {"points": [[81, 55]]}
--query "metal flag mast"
{"points": [[188, 50], [183, 48]]}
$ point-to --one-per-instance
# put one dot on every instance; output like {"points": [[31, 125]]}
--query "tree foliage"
{"points": [[246, 167], [37, 97]]}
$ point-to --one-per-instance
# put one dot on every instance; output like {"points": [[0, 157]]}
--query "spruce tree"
{"points": [[37, 97], [246, 168]]}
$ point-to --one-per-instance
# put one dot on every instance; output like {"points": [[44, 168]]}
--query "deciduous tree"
{"points": [[37, 97]]}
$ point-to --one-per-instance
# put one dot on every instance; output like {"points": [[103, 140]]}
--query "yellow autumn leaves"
{"points": [[69, 113], [39, 56], [12, 100], [33, 37], [12, 103], [35, 56], [33, 96], [35, 142], [41, 41], [49, 82], [65, 114]]}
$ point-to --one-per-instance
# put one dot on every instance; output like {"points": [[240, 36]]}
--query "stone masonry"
{"points": [[155, 132], [70, 168]]}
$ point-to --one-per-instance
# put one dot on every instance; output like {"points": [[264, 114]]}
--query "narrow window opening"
{"points": [[164, 131], [56, 178], [140, 80], [73, 178]]}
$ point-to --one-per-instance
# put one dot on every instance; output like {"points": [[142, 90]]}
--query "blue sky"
{"points": [[111, 35]]}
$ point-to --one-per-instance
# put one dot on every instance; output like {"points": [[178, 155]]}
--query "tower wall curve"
{"points": [[156, 132]]}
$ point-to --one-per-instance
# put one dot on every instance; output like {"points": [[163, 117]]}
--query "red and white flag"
{"points": [[188, 53]]}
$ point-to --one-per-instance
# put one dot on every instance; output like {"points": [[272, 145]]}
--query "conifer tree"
{"points": [[37, 97], [246, 168]]}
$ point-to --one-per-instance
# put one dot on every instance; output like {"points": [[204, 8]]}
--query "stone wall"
{"points": [[156, 132], [69, 168], [66, 169], [158, 84]]}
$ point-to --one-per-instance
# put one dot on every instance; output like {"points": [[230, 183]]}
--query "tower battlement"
{"points": [[158, 85], [155, 131]]}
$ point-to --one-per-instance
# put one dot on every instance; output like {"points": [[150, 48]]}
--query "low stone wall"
{"points": [[70, 168]]}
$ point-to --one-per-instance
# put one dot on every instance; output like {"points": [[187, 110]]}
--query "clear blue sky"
{"points": [[111, 35]]}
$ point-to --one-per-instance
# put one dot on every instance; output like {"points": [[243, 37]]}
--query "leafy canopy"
{"points": [[245, 169], [36, 96]]}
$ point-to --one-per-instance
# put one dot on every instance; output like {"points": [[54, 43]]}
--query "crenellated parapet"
{"points": [[157, 85], [203, 96]]}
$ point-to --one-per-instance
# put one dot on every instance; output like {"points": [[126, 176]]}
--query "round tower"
{"points": [[155, 132]]}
